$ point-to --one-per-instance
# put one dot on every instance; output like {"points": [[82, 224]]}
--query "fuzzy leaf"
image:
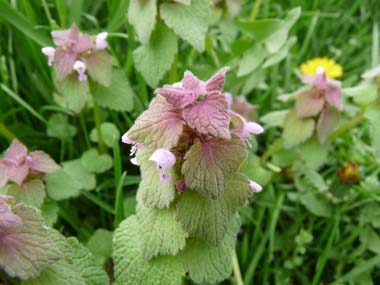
{"points": [[328, 121], [100, 244], [153, 192], [30, 193], [83, 179], [99, 67], [26, 249], [59, 127], [95, 162], [208, 166], [130, 266], [155, 58], [160, 233], [209, 219], [60, 185], [74, 92], [313, 153], [110, 133], [316, 204], [118, 96], [158, 127], [49, 211], [188, 21], [209, 264], [210, 116], [308, 104], [251, 60], [296, 130], [142, 15]]}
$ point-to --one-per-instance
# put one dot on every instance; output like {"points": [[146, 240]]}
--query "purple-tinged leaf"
{"points": [[334, 97], [63, 62], [208, 166], [327, 122], [99, 67], [16, 153], [216, 82], [42, 162], [309, 103], [31, 193], [209, 116], [158, 127], [177, 96]]}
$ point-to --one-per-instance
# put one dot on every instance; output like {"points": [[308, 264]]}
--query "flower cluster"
{"points": [[18, 165], [78, 53], [185, 113]]}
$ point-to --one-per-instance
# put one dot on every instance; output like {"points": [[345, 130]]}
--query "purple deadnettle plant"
{"points": [[79, 54], [191, 149], [22, 172], [317, 108]]}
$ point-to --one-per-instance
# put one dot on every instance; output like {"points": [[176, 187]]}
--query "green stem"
{"points": [[48, 15], [6, 133], [255, 10], [97, 120], [236, 269]]}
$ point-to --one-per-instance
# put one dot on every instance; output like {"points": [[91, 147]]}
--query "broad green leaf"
{"points": [[59, 127], [313, 153], [255, 171], [208, 166], [95, 162], [118, 96], [83, 179], [362, 94], [260, 29], [370, 239], [281, 54], [99, 67], [100, 244], [296, 130], [74, 92], [158, 127], [30, 193], [316, 180], [373, 116], [110, 133], [188, 21], [153, 192], [26, 248], [274, 119], [160, 233], [207, 263], [155, 58], [60, 185], [209, 219], [131, 268], [277, 39], [142, 15], [316, 204], [49, 211], [251, 60]]}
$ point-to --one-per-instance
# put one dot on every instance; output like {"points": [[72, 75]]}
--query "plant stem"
{"points": [[236, 269], [255, 10], [97, 120], [6, 133]]}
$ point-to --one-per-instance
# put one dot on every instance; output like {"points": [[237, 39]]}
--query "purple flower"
{"points": [[255, 186], [245, 129], [164, 160], [80, 67], [101, 41], [135, 146], [17, 164]]}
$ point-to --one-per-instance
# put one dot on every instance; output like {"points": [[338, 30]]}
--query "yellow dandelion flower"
{"points": [[332, 69]]}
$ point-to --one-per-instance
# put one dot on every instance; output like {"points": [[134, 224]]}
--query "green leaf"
{"points": [[49, 211], [153, 192], [74, 92], [260, 29], [23, 24], [281, 54], [160, 233], [99, 67], [296, 130], [110, 133], [142, 15], [155, 58], [26, 248], [313, 153], [130, 266], [118, 96], [373, 116], [277, 39], [251, 60], [100, 244], [30, 193], [370, 239], [59, 127], [83, 179], [209, 264], [362, 94], [209, 219], [316, 204], [255, 171], [188, 21], [316, 180], [274, 119], [60, 185], [208, 166], [95, 162]]}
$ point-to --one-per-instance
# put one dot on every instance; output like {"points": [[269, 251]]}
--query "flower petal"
{"points": [[15, 154], [255, 186], [42, 162], [164, 158], [209, 116], [63, 62]]}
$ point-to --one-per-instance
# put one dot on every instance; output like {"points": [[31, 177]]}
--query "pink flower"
{"points": [[135, 146], [325, 87], [164, 160], [245, 129], [255, 186], [100, 41], [49, 52], [80, 67], [17, 164]]}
